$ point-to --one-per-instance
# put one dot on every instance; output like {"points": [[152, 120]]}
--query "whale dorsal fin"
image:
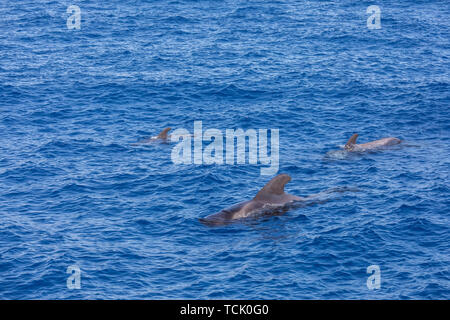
{"points": [[163, 134], [351, 142], [273, 187]]}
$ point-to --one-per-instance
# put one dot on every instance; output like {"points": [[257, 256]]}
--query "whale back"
{"points": [[163, 134], [351, 142], [274, 187]]}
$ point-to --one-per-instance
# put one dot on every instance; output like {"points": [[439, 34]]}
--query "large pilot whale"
{"points": [[352, 146], [270, 197], [162, 137]]}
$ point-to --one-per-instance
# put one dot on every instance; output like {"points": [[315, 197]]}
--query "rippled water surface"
{"points": [[74, 191]]}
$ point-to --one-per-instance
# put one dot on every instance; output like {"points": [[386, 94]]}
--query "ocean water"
{"points": [[75, 192]]}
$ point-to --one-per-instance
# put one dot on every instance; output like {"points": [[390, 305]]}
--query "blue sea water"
{"points": [[74, 191]]}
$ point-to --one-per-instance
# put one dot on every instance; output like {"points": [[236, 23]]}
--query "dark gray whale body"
{"points": [[270, 198]]}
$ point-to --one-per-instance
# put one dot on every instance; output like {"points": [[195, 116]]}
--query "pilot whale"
{"points": [[270, 197], [162, 136], [352, 146]]}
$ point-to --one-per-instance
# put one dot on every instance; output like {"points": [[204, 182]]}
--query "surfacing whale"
{"points": [[269, 199], [351, 144], [163, 136]]}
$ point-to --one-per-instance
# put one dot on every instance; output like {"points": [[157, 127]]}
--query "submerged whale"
{"points": [[352, 146], [270, 198]]}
